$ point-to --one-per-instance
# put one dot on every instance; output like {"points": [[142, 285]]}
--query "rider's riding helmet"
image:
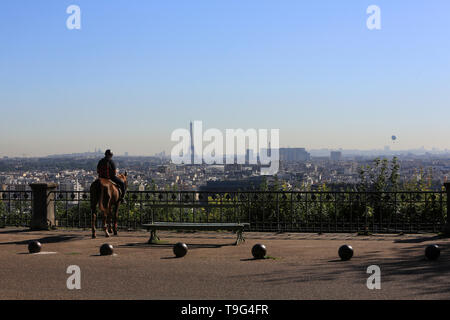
{"points": [[108, 153]]}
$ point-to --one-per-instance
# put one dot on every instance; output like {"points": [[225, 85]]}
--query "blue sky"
{"points": [[137, 70]]}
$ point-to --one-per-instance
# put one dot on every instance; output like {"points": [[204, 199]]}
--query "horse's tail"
{"points": [[94, 194]]}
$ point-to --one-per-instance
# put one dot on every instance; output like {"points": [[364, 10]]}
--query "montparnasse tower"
{"points": [[192, 144]]}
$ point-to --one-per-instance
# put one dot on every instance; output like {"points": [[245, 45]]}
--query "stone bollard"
{"points": [[43, 208]]}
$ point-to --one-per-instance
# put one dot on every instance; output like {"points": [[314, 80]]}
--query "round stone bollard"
{"points": [[345, 252], [180, 249], [432, 252], [34, 247], [259, 251], [106, 249]]}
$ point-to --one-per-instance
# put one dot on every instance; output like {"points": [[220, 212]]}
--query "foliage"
{"points": [[376, 203], [15, 212]]}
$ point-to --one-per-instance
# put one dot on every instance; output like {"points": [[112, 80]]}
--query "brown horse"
{"points": [[105, 194]]}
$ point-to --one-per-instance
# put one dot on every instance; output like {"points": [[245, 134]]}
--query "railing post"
{"points": [[43, 209], [446, 229]]}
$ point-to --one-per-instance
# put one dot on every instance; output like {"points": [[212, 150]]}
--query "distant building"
{"points": [[235, 167], [160, 155], [192, 144], [294, 154], [335, 155], [251, 157], [253, 183], [164, 169]]}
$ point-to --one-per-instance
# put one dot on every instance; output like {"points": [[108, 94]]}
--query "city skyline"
{"points": [[320, 152], [312, 70]]}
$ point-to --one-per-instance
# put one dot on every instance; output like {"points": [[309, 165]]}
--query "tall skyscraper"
{"points": [[192, 144], [335, 155]]}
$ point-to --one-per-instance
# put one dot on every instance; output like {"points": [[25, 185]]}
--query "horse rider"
{"points": [[106, 169]]}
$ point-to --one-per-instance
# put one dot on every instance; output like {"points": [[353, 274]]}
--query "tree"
{"points": [[2, 213], [380, 176], [394, 176]]}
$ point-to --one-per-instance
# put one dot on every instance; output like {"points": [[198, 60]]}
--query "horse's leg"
{"points": [[114, 217], [93, 214], [111, 210], [105, 216], [93, 221], [109, 221]]}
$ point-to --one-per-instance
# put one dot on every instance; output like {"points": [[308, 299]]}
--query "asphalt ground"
{"points": [[299, 266]]}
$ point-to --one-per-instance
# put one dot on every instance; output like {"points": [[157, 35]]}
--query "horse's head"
{"points": [[124, 178]]}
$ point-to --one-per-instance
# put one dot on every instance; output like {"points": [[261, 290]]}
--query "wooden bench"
{"points": [[237, 227]]}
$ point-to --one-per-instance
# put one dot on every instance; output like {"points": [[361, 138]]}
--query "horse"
{"points": [[105, 194]]}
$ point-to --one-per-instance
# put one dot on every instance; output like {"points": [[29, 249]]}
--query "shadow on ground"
{"points": [[50, 239], [419, 239], [407, 266], [15, 231], [170, 245], [420, 273]]}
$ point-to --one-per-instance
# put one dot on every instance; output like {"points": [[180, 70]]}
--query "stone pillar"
{"points": [[43, 217], [446, 229]]}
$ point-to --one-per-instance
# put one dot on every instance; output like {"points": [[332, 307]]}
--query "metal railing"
{"points": [[283, 211], [15, 208]]}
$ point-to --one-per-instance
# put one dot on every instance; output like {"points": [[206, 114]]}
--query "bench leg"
{"points": [[240, 237], [153, 237]]}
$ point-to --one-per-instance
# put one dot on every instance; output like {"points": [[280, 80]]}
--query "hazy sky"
{"points": [[137, 70]]}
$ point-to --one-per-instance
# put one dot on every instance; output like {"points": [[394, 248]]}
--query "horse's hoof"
{"points": [[107, 235], [94, 236]]}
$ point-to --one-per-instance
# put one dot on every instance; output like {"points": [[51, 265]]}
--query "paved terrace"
{"points": [[303, 266]]}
